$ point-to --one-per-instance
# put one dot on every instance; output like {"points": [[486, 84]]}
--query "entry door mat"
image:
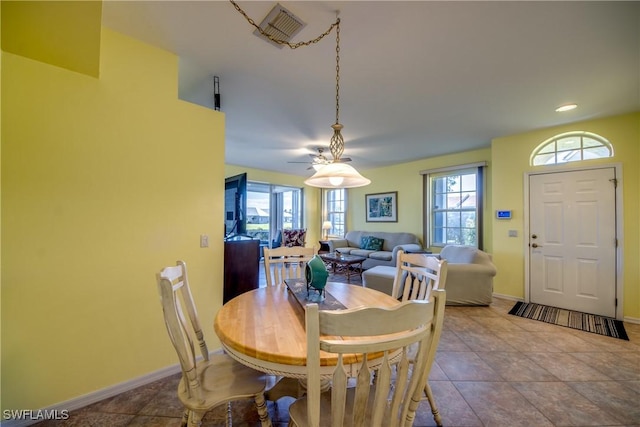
{"points": [[571, 319]]}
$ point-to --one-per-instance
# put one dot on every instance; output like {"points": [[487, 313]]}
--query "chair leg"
{"points": [[185, 418], [263, 413], [432, 402], [195, 418]]}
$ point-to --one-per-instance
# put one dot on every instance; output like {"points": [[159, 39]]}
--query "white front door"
{"points": [[572, 240]]}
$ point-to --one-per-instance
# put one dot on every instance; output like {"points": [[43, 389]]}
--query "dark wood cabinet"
{"points": [[241, 266]]}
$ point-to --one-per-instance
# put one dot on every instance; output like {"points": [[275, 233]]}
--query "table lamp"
{"points": [[326, 226]]}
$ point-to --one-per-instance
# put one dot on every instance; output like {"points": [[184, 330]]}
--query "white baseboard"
{"points": [[97, 396], [93, 397], [507, 297], [634, 320]]}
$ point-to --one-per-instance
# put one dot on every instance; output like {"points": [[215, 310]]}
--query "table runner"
{"points": [[298, 289]]}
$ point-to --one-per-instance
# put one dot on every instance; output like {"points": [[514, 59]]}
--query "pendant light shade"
{"points": [[337, 175]]}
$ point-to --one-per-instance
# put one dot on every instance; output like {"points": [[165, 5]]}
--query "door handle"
{"points": [[535, 245]]}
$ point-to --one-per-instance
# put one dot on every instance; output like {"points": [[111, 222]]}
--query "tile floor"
{"points": [[492, 369]]}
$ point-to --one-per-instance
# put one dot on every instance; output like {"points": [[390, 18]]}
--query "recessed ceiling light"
{"points": [[566, 107]]}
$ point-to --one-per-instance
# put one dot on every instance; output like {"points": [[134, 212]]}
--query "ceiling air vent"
{"points": [[280, 24]]}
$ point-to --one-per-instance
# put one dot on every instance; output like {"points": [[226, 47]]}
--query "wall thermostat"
{"points": [[503, 214]]}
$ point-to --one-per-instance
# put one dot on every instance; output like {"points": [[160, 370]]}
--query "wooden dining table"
{"points": [[265, 329]]}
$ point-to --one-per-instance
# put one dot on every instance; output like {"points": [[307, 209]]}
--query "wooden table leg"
{"points": [[284, 387], [292, 387]]}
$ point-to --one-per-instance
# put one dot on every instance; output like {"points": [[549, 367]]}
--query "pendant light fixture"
{"points": [[337, 174]]}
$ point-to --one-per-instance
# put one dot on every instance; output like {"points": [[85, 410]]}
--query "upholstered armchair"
{"points": [[470, 275]]}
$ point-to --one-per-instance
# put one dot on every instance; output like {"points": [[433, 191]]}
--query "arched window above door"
{"points": [[571, 147]]}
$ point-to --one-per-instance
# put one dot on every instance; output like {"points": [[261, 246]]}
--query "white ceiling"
{"points": [[417, 79]]}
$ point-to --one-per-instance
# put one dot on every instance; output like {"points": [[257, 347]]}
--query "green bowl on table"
{"points": [[316, 275]]}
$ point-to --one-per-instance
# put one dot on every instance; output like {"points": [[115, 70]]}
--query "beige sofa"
{"points": [[392, 243], [469, 281], [469, 276]]}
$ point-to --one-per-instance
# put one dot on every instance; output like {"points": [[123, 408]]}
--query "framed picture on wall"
{"points": [[382, 207]]}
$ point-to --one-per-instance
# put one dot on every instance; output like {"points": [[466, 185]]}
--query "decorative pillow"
{"points": [[295, 237], [371, 243]]}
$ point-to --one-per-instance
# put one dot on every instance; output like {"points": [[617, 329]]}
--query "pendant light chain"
{"points": [[338, 71], [336, 145], [283, 42]]}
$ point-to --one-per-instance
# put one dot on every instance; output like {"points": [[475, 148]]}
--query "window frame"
{"points": [[429, 178], [543, 149], [338, 228]]}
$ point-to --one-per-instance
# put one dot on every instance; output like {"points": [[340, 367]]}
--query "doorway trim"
{"points": [[619, 227]]}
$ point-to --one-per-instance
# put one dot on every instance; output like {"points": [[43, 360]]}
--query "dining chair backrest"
{"points": [[286, 263], [417, 275], [380, 340], [216, 380], [176, 300]]}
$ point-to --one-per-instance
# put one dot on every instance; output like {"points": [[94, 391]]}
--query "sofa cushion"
{"points": [[391, 239], [345, 250], [361, 252], [391, 243], [371, 243], [382, 255]]}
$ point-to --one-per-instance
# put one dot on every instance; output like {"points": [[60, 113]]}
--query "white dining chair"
{"points": [[286, 263], [417, 276], [379, 339], [280, 264], [215, 380]]}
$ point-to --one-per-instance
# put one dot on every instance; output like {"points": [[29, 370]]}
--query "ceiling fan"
{"points": [[320, 159]]}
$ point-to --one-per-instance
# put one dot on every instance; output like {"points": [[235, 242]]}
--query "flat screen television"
{"points": [[235, 205]]}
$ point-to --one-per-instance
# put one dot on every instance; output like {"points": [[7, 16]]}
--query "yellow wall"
{"points": [[312, 203], [405, 178], [104, 182], [510, 160], [61, 33]]}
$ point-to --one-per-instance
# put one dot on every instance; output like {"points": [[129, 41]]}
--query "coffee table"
{"points": [[343, 263]]}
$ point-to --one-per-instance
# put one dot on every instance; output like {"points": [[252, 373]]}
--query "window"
{"points": [[571, 147], [335, 202], [272, 208], [454, 206]]}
